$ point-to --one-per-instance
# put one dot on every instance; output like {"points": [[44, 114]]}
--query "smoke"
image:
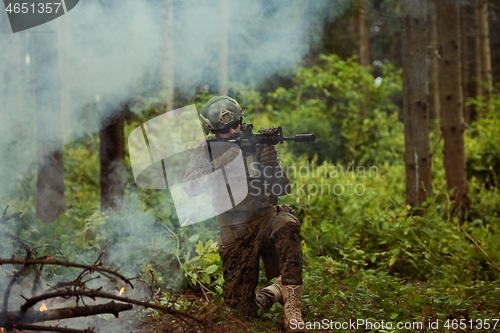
{"points": [[264, 37], [60, 79], [103, 53]]}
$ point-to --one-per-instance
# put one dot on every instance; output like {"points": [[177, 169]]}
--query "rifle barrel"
{"points": [[300, 138]]}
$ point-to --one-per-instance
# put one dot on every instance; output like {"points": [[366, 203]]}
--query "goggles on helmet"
{"points": [[226, 130]]}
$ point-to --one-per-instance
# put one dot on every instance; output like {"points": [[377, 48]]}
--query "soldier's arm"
{"points": [[200, 165]]}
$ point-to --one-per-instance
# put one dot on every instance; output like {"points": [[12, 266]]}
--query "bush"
{"points": [[370, 227], [482, 148], [351, 113]]}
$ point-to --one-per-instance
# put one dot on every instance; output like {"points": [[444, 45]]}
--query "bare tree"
{"points": [[434, 66], [485, 80], [495, 41], [415, 102], [451, 101], [468, 45]]}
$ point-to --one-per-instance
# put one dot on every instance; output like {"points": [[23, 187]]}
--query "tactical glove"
{"points": [[268, 156]]}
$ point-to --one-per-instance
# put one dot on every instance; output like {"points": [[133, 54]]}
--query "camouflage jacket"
{"points": [[262, 193]]}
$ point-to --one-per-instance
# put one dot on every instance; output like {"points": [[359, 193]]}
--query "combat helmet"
{"points": [[220, 112]]}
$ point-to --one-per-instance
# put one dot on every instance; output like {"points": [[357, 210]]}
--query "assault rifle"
{"points": [[248, 142], [267, 136]]}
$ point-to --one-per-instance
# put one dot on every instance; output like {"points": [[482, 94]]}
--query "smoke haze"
{"points": [[104, 53]]}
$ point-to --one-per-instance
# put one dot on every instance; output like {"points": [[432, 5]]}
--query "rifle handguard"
{"points": [[267, 136]]}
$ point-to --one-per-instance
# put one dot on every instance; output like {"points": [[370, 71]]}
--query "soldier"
{"points": [[256, 227]]}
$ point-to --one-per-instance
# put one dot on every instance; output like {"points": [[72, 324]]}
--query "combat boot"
{"points": [[277, 290], [292, 296]]}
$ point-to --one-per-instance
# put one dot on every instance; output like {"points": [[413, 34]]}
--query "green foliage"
{"points": [[81, 176], [352, 114], [359, 219], [143, 238], [482, 148], [204, 269], [377, 296], [366, 255]]}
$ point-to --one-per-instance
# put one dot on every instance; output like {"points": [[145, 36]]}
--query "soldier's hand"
{"points": [[268, 156]]}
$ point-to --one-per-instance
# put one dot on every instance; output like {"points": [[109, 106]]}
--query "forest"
{"points": [[398, 197]]}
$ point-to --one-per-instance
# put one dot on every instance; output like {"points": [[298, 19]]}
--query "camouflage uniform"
{"points": [[252, 229]]}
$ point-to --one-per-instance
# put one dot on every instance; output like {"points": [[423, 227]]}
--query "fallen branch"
{"points": [[50, 328], [10, 217], [24, 318], [96, 294], [13, 280], [94, 268], [34, 316]]}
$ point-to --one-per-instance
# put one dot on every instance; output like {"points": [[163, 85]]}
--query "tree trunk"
{"points": [[478, 67], [50, 180], [364, 41], [223, 52], [468, 26], [168, 66], [415, 102], [352, 28], [112, 157], [451, 100], [484, 43], [434, 72], [495, 43]]}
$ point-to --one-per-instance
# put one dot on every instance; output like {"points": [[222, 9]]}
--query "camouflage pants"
{"points": [[278, 239]]}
